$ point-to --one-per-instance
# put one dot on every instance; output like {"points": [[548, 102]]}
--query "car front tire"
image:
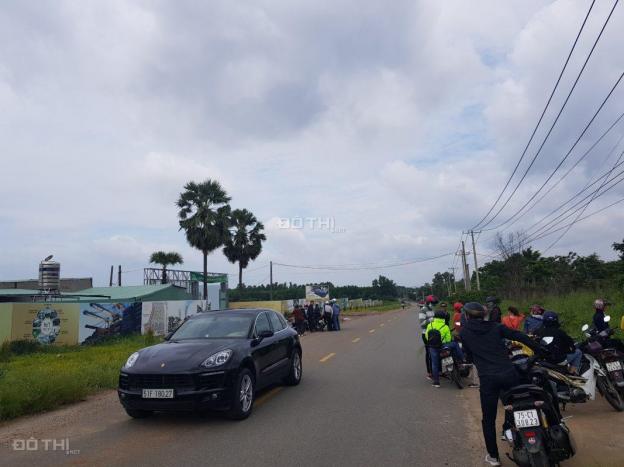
{"points": [[296, 369], [243, 396]]}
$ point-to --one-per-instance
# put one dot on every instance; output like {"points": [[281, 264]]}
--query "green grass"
{"points": [[576, 309], [387, 306], [54, 376]]}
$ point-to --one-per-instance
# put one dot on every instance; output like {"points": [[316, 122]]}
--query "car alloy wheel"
{"points": [[297, 366], [246, 393]]}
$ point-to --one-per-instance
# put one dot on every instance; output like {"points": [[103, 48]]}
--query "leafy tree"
{"points": [[245, 241], [384, 288], [166, 259], [619, 247], [204, 216]]}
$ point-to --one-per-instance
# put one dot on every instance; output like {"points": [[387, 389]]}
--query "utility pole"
{"points": [[453, 277], [119, 276], [110, 282], [476, 266], [465, 265], [271, 278]]}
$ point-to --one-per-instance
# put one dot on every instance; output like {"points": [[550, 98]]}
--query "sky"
{"points": [[362, 133]]}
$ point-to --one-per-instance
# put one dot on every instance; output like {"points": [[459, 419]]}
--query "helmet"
{"points": [[431, 299], [474, 310], [551, 318], [440, 314], [537, 310], [599, 304], [457, 306], [491, 299]]}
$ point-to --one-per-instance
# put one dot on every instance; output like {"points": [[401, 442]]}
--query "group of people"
{"points": [[309, 317], [483, 333]]}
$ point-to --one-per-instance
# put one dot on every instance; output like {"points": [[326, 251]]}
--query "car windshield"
{"points": [[214, 327]]}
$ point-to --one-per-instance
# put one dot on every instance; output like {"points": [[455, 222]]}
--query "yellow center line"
{"points": [[327, 357], [357, 339], [371, 331], [265, 397]]}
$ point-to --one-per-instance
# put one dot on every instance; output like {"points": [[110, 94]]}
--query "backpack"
{"points": [[434, 338]]}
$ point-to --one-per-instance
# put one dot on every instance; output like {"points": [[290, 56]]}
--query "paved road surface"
{"points": [[363, 401]]}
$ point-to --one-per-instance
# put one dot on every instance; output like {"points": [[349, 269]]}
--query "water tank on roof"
{"points": [[49, 275]]}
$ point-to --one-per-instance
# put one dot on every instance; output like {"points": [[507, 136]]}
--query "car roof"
{"points": [[238, 311]]}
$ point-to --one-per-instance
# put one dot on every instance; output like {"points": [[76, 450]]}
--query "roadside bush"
{"points": [[24, 347]]}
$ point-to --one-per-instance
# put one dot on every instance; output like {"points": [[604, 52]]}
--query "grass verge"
{"points": [[387, 306], [54, 376]]}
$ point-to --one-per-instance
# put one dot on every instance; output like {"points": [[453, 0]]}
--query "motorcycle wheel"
{"points": [[456, 377], [539, 459], [606, 388]]}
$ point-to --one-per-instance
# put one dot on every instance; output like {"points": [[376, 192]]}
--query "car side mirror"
{"points": [[585, 327], [548, 340], [607, 318]]}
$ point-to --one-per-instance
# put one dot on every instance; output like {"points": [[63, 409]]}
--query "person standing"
{"points": [[494, 310], [514, 318], [483, 343], [335, 316], [299, 319], [311, 318], [328, 312]]}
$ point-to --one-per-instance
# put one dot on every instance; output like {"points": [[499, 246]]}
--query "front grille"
{"points": [[180, 381]]}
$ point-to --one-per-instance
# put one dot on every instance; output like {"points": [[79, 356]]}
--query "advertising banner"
{"points": [[47, 323], [164, 317], [103, 320], [317, 292], [6, 312]]}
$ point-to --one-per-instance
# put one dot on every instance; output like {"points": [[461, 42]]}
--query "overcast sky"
{"points": [[399, 121]]}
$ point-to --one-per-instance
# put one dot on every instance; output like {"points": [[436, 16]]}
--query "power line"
{"points": [[526, 172], [381, 266], [541, 117]]}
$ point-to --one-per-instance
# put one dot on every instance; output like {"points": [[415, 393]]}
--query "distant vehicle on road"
{"points": [[213, 361]]}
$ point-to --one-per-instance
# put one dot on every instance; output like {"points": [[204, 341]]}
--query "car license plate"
{"points": [[448, 361], [157, 393], [526, 418], [613, 366]]}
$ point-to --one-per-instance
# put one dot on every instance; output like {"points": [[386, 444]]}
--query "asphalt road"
{"points": [[363, 401]]}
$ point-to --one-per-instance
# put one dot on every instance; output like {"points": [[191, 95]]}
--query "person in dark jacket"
{"points": [[600, 306], [562, 348], [484, 345], [494, 311], [299, 316], [311, 317]]}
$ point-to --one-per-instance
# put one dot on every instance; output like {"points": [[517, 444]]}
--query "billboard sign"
{"points": [[317, 292]]}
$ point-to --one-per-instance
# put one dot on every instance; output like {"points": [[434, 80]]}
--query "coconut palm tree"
{"points": [[166, 259], [245, 241], [204, 216]]}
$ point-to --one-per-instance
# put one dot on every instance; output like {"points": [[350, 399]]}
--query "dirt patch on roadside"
{"points": [[598, 431]]}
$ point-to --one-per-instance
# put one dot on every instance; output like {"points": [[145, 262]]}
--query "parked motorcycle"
{"points": [[606, 363], [537, 432], [452, 368]]}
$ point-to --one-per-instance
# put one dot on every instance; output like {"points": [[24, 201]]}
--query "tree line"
{"points": [[381, 288], [521, 273]]}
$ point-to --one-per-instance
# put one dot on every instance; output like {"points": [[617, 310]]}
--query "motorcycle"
{"points": [[606, 364], [451, 368], [537, 432]]}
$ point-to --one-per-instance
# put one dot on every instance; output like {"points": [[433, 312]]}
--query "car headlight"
{"points": [[132, 360], [217, 359]]}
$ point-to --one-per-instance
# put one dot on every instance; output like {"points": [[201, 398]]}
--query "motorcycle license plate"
{"points": [[447, 361], [157, 393], [526, 418], [613, 366], [517, 352]]}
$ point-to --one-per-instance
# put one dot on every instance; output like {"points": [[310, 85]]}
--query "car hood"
{"points": [[178, 356]]}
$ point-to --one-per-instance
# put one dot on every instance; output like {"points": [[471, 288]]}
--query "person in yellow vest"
{"points": [[438, 335]]}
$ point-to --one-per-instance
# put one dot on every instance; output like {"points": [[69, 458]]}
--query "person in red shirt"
{"points": [[514, 319], [457, 316]]}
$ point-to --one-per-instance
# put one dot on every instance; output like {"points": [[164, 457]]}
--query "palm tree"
{"points": [[204, 216], [166, 259], [245, 241]]}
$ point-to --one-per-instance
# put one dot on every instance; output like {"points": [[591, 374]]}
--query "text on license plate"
{"points": [[613, 366], [447, 361], [157, 393], [526, 418]]}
